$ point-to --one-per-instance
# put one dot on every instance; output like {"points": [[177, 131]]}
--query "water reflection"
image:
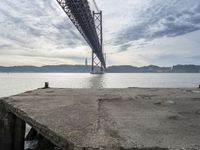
{"points": [[96, 81]]}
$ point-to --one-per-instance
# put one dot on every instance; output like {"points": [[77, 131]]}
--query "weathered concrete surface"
{"points": [[12, 130], [112, 119]]}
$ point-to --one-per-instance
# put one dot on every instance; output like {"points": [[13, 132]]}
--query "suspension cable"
{"points": [[95, 4]]}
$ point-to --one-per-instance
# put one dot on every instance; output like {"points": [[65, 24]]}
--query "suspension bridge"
{"points": [[89, 24]]}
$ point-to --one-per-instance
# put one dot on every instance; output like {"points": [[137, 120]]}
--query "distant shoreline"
{"points": [[110, 69], [105, 72]]}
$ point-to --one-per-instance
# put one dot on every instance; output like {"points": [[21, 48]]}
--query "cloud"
{"points": [[134, 29], [26, 23], [7, 60], [159, 19], [2, 46]]}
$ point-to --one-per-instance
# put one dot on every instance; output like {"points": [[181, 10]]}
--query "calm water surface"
{"points": [[15, 83]]}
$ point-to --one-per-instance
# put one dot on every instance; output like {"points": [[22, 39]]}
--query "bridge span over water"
{"points": [[89, 24]]}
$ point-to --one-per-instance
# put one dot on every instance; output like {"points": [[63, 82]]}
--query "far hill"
{"points": [[47, 69], [110, 69], [186, 68], [132, 69]]}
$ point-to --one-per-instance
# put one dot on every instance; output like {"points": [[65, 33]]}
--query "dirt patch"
{"points": [[198, 112], [176, 117]]}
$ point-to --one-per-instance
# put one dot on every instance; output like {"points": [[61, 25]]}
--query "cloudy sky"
{"points": [[136, 32]]}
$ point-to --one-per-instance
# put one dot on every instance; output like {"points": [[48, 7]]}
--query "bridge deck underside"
{"points": [[80, 14]]}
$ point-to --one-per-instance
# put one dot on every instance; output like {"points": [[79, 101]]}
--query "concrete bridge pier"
{"points": [[12, 131]]}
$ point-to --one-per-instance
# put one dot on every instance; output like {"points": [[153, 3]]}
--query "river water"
{"points": [[14, 83]]}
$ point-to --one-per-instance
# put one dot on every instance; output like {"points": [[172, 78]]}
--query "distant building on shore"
{"points": [[86, 62]]}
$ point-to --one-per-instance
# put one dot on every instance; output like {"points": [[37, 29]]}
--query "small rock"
{"points": [[158, 103]]}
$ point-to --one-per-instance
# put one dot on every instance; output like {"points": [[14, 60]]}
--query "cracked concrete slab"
{"points": [[112, 119]]}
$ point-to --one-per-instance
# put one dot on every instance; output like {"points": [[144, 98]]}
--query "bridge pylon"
{"points": [[97, 66]]}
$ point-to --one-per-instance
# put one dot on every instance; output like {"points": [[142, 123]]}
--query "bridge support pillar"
{"points": [[97, 66]]}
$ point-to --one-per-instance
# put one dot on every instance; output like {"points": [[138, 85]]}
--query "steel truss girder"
{"points": [[80, 14]]}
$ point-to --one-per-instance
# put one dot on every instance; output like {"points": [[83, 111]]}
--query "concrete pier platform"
{"points": [[111, 119]]}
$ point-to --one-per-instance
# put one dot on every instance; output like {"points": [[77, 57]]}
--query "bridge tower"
{"points": [[97, 66]]}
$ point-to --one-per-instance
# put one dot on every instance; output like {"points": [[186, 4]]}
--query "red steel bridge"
{"points": [[89, 24]]}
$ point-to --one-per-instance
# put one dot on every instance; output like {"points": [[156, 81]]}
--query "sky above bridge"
{"points": [[136, 32]]}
